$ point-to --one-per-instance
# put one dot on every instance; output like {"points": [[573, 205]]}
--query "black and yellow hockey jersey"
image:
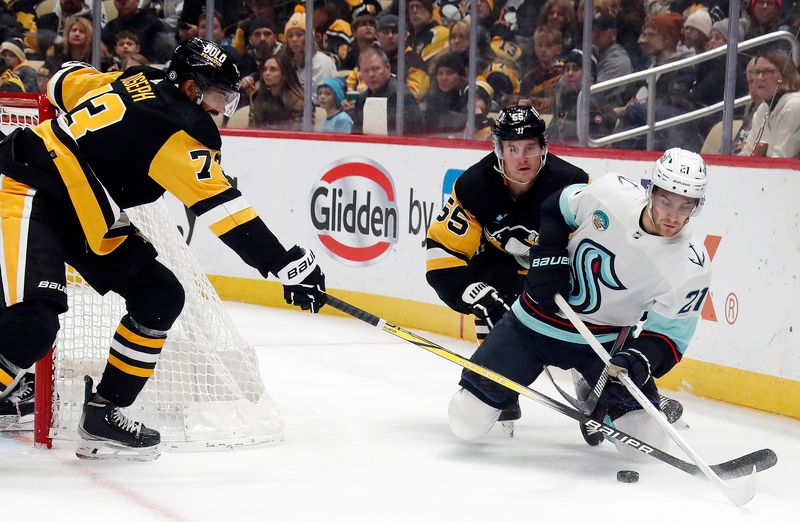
{"points": [[125, 138], [481, 218]]}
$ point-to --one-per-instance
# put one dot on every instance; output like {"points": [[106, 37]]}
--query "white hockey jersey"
{"points": [[620, 271]]}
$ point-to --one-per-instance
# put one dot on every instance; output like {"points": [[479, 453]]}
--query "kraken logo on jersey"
{"points": [[593, 265]]}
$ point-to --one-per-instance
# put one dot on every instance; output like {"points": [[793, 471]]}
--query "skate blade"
{"points": [[16, 423], [105, 450], [508, 427]]}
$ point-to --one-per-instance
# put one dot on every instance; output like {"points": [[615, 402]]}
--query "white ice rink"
{"points": [[367, 440]]}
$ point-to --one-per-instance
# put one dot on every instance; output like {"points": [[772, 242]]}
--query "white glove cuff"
{"points": [[296, 271]]}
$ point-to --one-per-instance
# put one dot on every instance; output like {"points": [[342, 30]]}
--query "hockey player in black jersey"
{"points": [[122, 140], [478, 246]]}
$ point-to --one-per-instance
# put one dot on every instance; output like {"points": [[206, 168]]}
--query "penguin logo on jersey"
{"points": [[600, 220], [593, 266]]}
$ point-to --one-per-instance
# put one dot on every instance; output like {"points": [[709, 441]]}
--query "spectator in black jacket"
{"points": [[154, 35], [377, 75], [446, 104]]}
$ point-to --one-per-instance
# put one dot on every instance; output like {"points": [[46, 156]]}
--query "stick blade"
{"points": [[762, 459], [743, 492]]}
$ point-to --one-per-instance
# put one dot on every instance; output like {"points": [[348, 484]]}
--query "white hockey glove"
{"points": [[303, 281], [485, 302]]}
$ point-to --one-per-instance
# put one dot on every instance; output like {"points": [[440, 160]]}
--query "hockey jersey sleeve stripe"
{"points": [[96, 211], [563, 201], [232, 221], [66, 88], [677, 332], [229, 202], [188, 170]]}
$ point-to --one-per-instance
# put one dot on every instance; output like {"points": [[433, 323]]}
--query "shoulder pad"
{"points": [[189, 117]]}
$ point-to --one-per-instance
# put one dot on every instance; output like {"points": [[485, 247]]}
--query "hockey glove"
{"points": [[485, 302], [633, 362], [549, 274], [303, 281]]}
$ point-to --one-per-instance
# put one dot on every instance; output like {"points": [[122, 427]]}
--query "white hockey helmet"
{"points": [[681, 172]]}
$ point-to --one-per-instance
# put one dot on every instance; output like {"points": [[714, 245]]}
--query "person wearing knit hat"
{"points": [[719, 33], [428, 38], [11, 51], [262, 42], [697, 30], [322, 65], [446, 103], [330, 94]]}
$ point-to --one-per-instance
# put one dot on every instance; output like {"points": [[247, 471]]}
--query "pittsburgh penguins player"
{"points": [[122, 140], [478, 246], [619, 252]]}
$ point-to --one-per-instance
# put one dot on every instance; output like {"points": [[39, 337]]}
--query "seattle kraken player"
{"points": [[620, 252], [122, 140], [477, 247]]}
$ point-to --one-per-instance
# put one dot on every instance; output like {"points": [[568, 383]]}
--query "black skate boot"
{"points": [[16, 410], [508, 415], [108, 434], [671, 408]]}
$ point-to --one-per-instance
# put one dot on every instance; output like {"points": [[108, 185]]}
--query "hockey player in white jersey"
{"points": [[621, 253]]}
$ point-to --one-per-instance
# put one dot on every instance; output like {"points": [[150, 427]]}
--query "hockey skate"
{"points": [[107, 434], [508, 415], [16, 410]]}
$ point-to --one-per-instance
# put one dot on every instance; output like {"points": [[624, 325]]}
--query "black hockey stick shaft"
{"points": [[741, 466]]}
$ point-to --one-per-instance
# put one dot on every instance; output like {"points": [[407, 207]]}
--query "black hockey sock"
{"points": [[131, 361]]}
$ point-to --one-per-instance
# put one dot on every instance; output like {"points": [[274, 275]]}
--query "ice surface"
{"points": [[367, 440]]}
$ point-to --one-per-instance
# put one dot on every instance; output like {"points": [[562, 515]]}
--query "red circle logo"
{"points": [[354, 210]]}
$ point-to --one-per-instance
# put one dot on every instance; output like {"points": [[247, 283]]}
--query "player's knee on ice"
{"points": [[641, 425], [470, 417]]}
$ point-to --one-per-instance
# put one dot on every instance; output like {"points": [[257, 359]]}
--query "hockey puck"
{"points": [[628, 476]]}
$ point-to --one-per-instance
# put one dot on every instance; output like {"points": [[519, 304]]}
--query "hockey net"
{"points": [[206, 393]]}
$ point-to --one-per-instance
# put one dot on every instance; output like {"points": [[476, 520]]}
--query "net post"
{"points": [[43, 401]]}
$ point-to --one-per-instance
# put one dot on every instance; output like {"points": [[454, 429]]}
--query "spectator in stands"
{"points": [[560, 14], [9, 82], [43, 76], [765, 17], [365, 35], [417, 79], [332, 29], [613, 61], [774, 130], [217, 34], [277, 99], [322, 65], [14, 56], [50, 26], [428, 38], [659, 40], [484, 105], [458, 38], [630, 16], [77, 45], [331, 94], [697, 31], [262, 43], [563, 127], [539, 83], [708, 86], [377, 75], [125, 44], [446, 103], [154, 35], [459, 42]]}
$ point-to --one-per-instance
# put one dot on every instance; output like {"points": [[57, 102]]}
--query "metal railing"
{"points": [[651, 76]]}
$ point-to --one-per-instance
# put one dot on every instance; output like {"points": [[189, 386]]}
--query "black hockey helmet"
{"points": [[206, 63], [519, 122]]}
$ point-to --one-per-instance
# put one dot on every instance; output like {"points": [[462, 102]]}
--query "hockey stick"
{"points": [[740, 494], [762, 459], [587, 406]]}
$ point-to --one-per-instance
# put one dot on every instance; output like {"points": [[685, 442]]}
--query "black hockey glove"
{"points": [[485, 302], [633, 362], [303, 281], [549, 274]]}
